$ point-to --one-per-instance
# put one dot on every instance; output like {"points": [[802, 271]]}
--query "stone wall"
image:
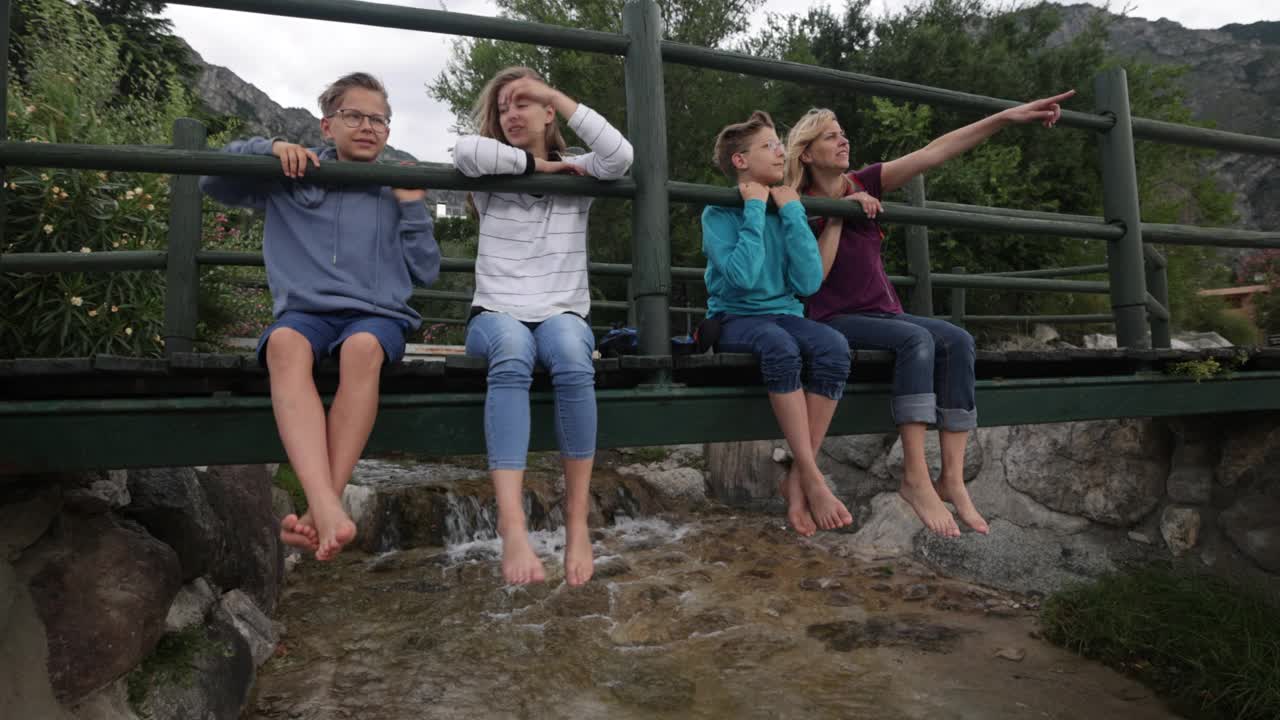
{"points": [[138, 594], [1065, 501]]}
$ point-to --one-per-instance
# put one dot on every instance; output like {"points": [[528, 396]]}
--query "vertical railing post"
{"points": [[918, 254], [1158, 286], [182, 276], [631, 303], [957, 301], [1120, 207], [650, 230], [5, 15]]}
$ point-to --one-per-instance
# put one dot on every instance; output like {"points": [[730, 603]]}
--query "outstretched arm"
{"points": [[896, 173]]}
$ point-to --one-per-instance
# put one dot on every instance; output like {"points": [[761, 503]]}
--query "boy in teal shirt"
{"points": [[758, 267]]}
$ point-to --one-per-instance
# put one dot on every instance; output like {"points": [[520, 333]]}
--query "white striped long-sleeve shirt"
{"points": [[532, 257]]}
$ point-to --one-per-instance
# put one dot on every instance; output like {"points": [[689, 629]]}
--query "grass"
{"points": [[172, 662], [1211, 647], [287, 480], [647, 455]]}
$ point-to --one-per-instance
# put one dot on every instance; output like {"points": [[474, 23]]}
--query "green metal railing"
{"points": [[1137, 285]]}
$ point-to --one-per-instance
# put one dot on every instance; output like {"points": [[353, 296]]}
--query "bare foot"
{"points": [[827, 510], [578, 563], [917, 490], [952, 490], [797, 506], [334, 529], [299, 532], [520, 565]]}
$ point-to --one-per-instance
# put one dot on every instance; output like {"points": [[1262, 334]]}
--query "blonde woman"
{"points": [[933, 372], [531, 299]]}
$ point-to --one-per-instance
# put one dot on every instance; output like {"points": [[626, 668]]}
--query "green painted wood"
{"points": [[432, 21], [1121, 207], [1053, 272], [197, 431], [109, 261], [182, 276], [1161, 131], [957, 300], [650, 229], [905, 214], [991, 282], [918, 253], [1215, 237], [1076, 319], [696, 56], [1158, 286], [210, 162]]}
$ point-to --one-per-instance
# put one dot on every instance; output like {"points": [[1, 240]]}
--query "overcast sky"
{"points": [[291, 60]]}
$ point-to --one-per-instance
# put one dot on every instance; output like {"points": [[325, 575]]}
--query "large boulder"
{"points": [[857, 465], [204, 674], [1111, 471], [1253, 524], [96, 491], [1251, 451], [172, 506], [103, 588], [248, 553], [29, 507], [974, 456], [744, 473]]}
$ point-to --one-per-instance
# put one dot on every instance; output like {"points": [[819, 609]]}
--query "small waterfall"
{"points": [[469, 518]]}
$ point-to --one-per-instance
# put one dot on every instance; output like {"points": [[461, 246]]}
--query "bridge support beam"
{"points": [[1120, 207], [918, 254], [650, 224]]}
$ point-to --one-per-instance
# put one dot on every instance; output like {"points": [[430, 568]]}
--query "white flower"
{"points": [[151, 207], [93, 313], [128, 331], [85, 250], [77, 301], [137, 191], [31, 108], [48, 229], [115, 308]]}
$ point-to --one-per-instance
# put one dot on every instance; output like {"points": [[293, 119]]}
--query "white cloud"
{"points": [[292, 60]]}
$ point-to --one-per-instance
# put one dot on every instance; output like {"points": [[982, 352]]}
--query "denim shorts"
{"points": [[327, 331]]}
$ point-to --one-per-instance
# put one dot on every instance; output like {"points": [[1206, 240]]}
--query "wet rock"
{"points": [[1111, 471], [680, 488], [1014, 558], [841, 599], [711, 621], [811, 584], [916, 591], [103, 590], [589, 599], [753, 647], [881, 587], [190, 606], [1139, 537], [611, 566], [1180, 528], [1253, 524], [97, 492], [109, 703], [29, 508], [255, 628], [211, 677], [654, 687], [385, 562], [1011, 654], [248, 553], [904, 631], [171, 505]]}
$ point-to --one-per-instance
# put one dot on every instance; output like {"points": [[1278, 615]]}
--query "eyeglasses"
{"points": [[354, 119], [773, 146]]}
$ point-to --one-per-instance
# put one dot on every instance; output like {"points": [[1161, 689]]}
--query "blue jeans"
{"points": [[794, 352], [933, 374], [562, 344]]}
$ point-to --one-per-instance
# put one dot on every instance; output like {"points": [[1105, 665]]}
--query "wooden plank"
{"points": [[123, 365], [52, 366], [205, 362]]}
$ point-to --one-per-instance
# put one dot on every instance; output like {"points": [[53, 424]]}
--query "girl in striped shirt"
{"points": [[531, 300]]}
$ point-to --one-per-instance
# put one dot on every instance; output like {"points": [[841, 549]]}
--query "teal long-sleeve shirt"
{"points": [[757, 263]]}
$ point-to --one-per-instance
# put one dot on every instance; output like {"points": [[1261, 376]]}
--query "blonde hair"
{"points": [[806, 130], [484, 116], [736, 138], [332, 95]]}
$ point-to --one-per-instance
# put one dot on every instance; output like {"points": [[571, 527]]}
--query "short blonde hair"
{"points": [[331, 98], [736, 138], [806, 130]]}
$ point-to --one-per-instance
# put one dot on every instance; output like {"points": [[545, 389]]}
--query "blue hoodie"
{"points": [[330, 249]]}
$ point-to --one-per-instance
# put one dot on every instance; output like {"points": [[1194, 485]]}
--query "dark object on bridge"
{"points": [[619, 341], [707, 334]]}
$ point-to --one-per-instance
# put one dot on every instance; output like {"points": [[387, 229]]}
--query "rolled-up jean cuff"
{"points": [[919, 408], [507, 465], [831, 391], [780, 386], [957, 420], [578, 455]]}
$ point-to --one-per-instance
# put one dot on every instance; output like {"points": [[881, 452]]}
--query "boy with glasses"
{"points": [[341, 263]]}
